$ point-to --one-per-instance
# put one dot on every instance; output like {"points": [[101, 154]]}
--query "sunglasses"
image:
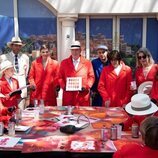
{"points": [[143, 56]]}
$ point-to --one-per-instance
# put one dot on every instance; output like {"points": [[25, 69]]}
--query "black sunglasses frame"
{"points": [[140, 57]]}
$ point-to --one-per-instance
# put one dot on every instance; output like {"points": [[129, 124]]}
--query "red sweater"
{"points": [[134, 151]]}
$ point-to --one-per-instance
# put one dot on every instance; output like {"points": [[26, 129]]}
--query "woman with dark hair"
{"points": [[149, 147], [44, 77], [114, 83]]}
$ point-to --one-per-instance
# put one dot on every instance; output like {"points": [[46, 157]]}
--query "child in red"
{"points": [[8, 84]]}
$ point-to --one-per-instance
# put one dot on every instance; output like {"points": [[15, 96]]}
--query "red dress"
{"points": [[134, 151], [140, 78], [45, 81], [85, 71], [115, 87], [154, 90]]}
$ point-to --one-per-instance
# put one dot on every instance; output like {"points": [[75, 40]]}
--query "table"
{"points": [[44, 138]]}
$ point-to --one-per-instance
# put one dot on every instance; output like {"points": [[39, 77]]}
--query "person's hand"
{"points": [[147, 90], [94, 94], [83, 89], [12, 119], [32, 87], [7, 96], [107, 103], [133, 86]]}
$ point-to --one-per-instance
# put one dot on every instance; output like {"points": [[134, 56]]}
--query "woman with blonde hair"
{"points": [[145, 67]]}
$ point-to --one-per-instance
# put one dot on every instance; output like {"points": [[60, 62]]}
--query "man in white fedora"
{"points": [[139, 108], [20, 62], [73, 70]]}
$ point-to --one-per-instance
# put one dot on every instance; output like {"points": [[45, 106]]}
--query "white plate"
{"points": [[22, 128], [145, 87]]}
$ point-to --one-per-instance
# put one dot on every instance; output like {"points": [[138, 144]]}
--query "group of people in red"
{"points": [[110, 75]]}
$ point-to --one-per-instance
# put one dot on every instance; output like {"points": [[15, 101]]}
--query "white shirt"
{"points": [[76, 63], [118, 69]]}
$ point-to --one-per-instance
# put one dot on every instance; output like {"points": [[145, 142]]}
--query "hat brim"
{"points": [[102, 49], [10, 43], [75, 48], [1, 72], [152, 110]]}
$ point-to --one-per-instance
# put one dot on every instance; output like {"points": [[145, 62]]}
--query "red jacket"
{"points": [[85, 70], [116, 88], [134, 151], [7, 102], [6, 89], [140, 76], [45, 81]]}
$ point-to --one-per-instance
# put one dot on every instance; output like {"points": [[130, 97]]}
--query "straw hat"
{"points": [[4, 66], [15, 40], [75, 45], [141, 105]]}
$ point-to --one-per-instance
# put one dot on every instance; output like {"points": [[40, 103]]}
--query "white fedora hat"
{"points": [[15, 40], [101, 46], [141, 105], [5, 65], [75, 45]]}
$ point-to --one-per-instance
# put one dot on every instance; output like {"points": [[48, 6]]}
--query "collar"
{"points": [[8, 79], [13, 54], [78, 60]]}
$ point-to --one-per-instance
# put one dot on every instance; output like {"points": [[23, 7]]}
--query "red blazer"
{"points": [[116, 88], [45, 81], [85, 70], [134, 151], [140, 76]]}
